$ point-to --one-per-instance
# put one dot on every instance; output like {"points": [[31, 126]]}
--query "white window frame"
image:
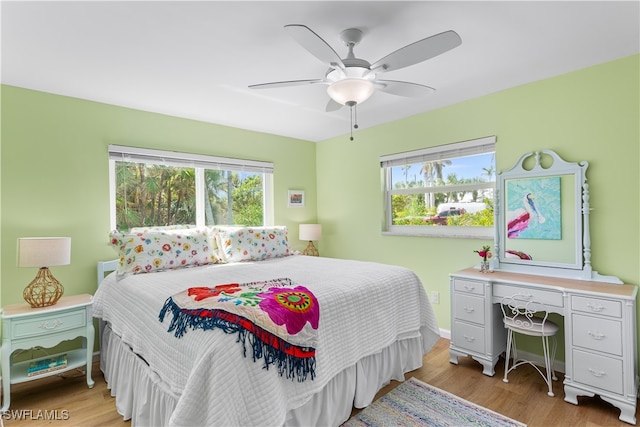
{"points": [[448, 151], [199, 162]]}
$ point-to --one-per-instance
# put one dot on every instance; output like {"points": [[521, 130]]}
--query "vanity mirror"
{"points": [[542, 218]]}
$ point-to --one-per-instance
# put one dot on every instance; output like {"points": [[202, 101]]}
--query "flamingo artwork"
{"points": [[519, 219]]}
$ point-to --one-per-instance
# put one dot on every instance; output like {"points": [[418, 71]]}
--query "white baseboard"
{"points": [[537, 359]]}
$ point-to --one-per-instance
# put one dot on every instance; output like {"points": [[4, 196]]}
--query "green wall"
{"points": [[54, 175], [592, 114]]}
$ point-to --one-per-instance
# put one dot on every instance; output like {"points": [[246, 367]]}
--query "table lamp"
{"points": [[310, 232], [43, 252]]}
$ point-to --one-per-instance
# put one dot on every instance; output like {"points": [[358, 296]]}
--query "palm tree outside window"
{"points": [[158, 188], [442, 190]]}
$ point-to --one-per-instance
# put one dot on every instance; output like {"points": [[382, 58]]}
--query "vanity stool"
{"points": [[524, 316]]}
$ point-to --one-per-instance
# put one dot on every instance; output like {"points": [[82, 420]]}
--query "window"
{"points": [[441, 191], [155, 188]]}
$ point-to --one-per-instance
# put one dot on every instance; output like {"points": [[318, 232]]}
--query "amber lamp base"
{"points": [[310, 250], [44, 290]]}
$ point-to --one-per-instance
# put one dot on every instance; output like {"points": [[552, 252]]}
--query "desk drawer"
{"points": [[599, 306], [598, 371], [47, 324], [469, 337], [468, 286], [597, 334], [551, 298], [469, 308]]}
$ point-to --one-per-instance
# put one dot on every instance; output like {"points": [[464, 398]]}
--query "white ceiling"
{"points": [[196, 59]]}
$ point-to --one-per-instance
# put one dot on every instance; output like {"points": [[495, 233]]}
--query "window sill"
{"points": [[442, 231]]}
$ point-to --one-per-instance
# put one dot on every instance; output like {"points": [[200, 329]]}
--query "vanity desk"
{"points": [[599, 323], [542, 250]]}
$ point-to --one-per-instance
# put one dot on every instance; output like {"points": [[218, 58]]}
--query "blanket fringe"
{"points": [[287, 364]]}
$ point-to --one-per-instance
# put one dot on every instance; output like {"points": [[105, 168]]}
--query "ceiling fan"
{"points": [[353, 80]]}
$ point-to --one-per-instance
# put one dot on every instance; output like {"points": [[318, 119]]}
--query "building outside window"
{"points": [[446, 190]]}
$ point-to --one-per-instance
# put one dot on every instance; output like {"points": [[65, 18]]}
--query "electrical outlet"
{"points": [[435, 297]]}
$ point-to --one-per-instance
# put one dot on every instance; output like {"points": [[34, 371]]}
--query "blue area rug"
{"points": [[414, 403]]}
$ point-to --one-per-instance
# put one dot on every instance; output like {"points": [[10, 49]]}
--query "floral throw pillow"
{"points": [[252, 243], [146, 252]]}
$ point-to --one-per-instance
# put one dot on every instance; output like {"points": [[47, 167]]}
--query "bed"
{"points": [[375, 324]]}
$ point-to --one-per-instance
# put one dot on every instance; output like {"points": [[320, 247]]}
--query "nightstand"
{"points": [[24, 328]]}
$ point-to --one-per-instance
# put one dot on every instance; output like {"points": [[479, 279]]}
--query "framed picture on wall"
{"points": [[296, 199], [534, 208]]}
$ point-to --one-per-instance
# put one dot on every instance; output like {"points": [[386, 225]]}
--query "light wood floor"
{"points": [[524, 398]]}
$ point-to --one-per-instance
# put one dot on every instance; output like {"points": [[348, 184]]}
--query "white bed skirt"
{"points": [[146, 400]]}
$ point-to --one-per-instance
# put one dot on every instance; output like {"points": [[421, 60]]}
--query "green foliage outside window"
{"points": [[155, 195], [148, 195], [484, 218], [423, 188]]}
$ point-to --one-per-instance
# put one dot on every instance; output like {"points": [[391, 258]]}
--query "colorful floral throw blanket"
{"points": [[277, 320]]}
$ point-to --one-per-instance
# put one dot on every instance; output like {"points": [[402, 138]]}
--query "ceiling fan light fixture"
{"points": [[351, 90]]}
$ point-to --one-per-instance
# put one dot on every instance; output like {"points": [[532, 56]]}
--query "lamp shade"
{"points": [[351, 90], [44, 251], [310, 232]]}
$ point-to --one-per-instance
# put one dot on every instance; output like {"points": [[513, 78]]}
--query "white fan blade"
{"points": [[286, 84], [332, 106], [315, 45], [419, 51], [411, 90]]}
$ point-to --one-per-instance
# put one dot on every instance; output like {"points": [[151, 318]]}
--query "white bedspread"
{"points": [[364, 307]]}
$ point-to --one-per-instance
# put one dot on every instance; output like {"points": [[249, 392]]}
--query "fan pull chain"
{"points": [[351, 123], [353, 112]]}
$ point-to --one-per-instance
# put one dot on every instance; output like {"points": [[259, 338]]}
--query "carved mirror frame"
{"points": [[571, 216]]}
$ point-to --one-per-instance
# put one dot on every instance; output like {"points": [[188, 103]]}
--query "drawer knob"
{"points": [[596, 373], [469, 310], [51, 325], [595, 307], [469, 288], [596, 335], [468, 338]]}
